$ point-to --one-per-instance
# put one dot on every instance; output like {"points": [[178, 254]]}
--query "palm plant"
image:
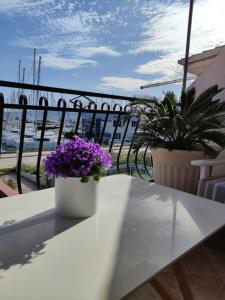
{"points": [[188, 124]]}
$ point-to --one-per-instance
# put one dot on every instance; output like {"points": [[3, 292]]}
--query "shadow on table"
{"points": [[21, 242], [131, 266]]}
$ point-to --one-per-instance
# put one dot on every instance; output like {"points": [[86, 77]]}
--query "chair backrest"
{"points": [[219, 170]]}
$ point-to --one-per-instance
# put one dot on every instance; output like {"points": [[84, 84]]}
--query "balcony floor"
{"points": [[205, 271]]}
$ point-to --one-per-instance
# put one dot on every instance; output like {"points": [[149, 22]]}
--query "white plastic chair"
{"points": [[212, 172]]}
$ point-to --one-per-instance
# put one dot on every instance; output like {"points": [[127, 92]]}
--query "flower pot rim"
{"points": [[57, 177], [70, 178], [173, 150]]}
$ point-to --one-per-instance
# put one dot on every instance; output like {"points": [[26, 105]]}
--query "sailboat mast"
{"points": [[38, 78], [37, 94], [33, 96], [34, 71], [19, 77], [39, 71], [19, 71], [23, 77]]}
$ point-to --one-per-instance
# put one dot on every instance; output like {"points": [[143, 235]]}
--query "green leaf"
{"points": [[171, 97], [191, 124], [84, 179], [97, 177]]}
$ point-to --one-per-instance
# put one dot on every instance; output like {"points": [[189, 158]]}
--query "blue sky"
{"points": [[110, 46]]}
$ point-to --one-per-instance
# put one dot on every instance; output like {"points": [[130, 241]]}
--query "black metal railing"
{"points": [[102, 117]]}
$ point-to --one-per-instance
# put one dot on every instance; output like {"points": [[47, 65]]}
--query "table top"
{"points": [[139, 229]]}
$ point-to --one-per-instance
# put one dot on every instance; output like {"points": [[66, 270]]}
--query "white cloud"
{"points": [[76, 32], [68, 37], [122, 83], [66, 54], [80, 22], [92, 51], [164, 67], [164, 32], [27, 7], [56, 62], [9, 4]]}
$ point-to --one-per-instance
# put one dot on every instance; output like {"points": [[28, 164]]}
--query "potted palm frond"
{"points": [[179, 131]]}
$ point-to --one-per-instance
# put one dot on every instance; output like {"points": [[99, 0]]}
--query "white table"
{"points": [[139, 229]]}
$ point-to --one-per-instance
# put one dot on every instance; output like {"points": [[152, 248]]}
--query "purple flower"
{"points": [[77, 158]]}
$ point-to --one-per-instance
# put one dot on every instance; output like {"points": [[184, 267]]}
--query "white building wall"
{"points": [[109, 130], [214, 74]]}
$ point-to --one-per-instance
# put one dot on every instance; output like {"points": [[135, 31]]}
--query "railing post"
{"points": [[23, 102], [1, 120]]}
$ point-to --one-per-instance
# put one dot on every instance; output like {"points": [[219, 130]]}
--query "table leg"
{"points": [[182, 281], [162, 289]]}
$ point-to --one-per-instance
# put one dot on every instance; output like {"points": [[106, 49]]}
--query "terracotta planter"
{"points": [[174, 169]]}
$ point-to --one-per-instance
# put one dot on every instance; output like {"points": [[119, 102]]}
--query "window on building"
{"points": [[118, 136], [133, 123], [119, 123], [107, 135]]}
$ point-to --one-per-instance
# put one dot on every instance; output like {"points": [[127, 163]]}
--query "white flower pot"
{"points": [[74, 199], [174, 169]]}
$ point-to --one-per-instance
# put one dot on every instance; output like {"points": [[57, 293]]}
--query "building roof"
{"points": [[199, 62]]}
